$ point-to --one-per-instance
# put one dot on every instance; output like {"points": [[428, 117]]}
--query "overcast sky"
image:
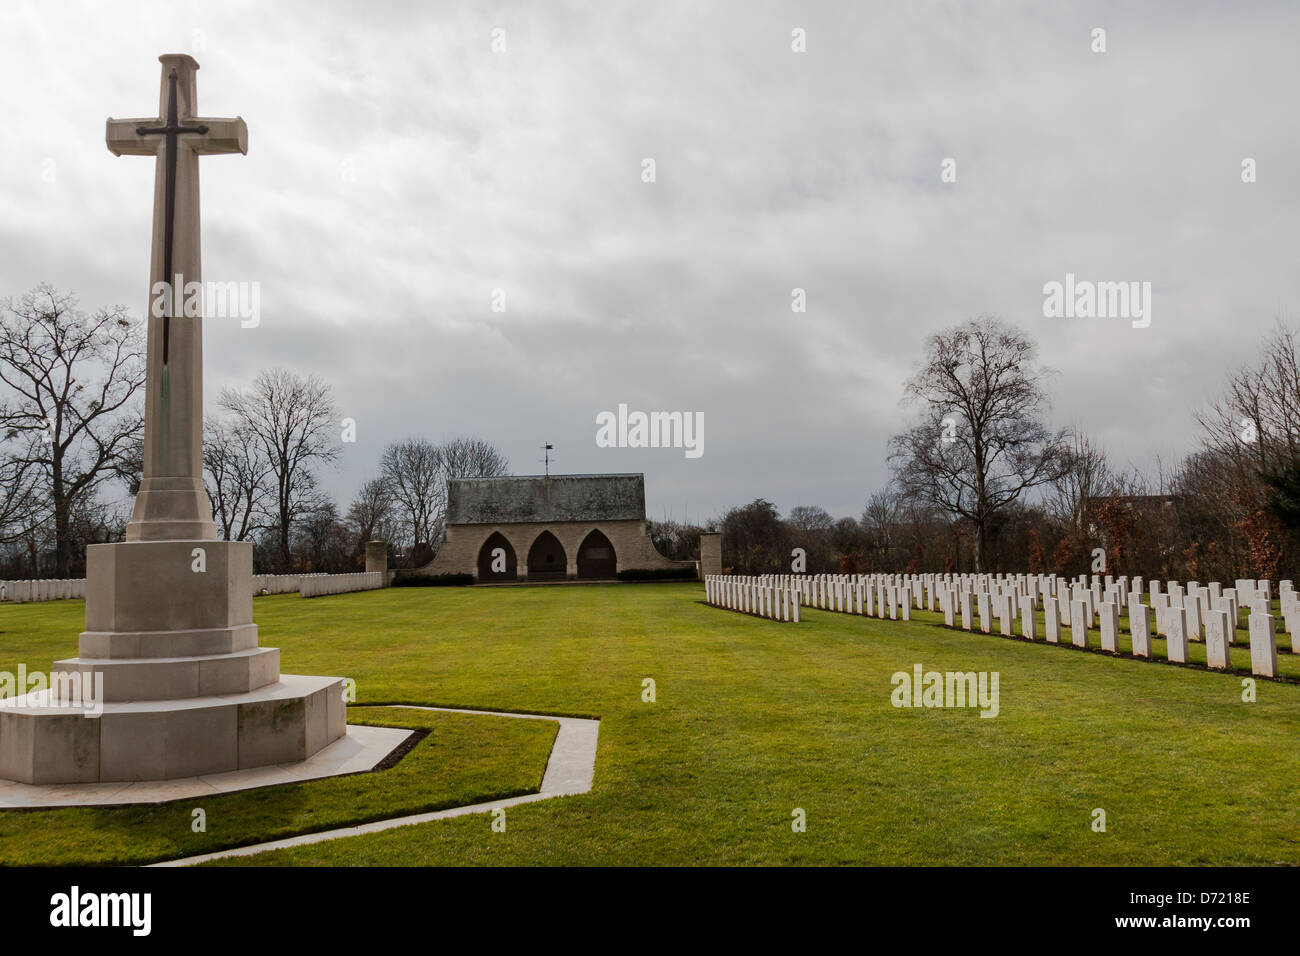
{"points": [[399, 171]]}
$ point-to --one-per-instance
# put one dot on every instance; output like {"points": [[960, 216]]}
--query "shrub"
{"points": [[432, 580], [657, 574]]}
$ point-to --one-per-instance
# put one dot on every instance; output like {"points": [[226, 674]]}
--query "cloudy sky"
{"points": [[400, 170]]}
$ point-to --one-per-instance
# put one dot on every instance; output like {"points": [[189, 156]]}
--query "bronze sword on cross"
{"points": [[171, 131], [176, 138]]}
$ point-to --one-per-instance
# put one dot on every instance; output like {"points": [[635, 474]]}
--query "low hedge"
{"points": [[432, 580], [657, 574]]}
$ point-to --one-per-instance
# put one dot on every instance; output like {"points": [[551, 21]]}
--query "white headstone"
{"points": [[1192, 615], [1139, 625], [1051, 620], [1176, 634], [1216, 639], [1263, 644], [1079, 622], [1110, 627]]}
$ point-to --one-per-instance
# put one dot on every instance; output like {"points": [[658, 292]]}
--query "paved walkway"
{"points": [[569, 771]]}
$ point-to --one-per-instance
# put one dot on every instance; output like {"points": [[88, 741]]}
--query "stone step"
{"points": [[287, 721], [202, 641], [172, 678]]}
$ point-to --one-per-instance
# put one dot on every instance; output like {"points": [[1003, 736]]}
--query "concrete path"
{"points": [[569, 771]]}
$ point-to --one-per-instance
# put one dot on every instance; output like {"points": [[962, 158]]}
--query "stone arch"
{"points": [[486, 559], [596, 557], [546, 559]]}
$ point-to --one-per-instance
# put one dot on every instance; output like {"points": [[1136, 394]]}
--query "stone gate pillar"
{"points": [[710, 553], [376, 556]]}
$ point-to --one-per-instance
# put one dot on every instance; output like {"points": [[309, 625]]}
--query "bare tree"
{"points": [[1086, 478], [412, 472], [810, 518], [1247, 476], [21, 501], [810, 529], [239, 478], [369, 516], [472, 458], [754, 539], [322, 540], [849, 541], [293, 419], [677, 540], [980, 442], [1256, 423], [465, 458], [68, 410], [880, 520]]}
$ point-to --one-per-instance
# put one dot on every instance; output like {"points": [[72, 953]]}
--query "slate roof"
{"points": [[538, 498]]}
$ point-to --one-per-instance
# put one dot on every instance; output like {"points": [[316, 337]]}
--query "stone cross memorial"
{"points": [[172, 504], [169, 637]]}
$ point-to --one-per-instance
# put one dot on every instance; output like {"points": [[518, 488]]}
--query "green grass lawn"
{"points": [[754, 719], [463, 760]]}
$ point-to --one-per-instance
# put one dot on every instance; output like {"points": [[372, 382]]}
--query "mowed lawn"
{"points": [[754, 719]]}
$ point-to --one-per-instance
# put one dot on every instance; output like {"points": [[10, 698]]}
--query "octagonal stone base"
{"points": [[362, 749], [172, 678], [284, 722], [169, 588], [181, 688]]}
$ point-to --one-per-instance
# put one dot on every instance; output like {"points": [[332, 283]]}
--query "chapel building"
{"points": [[547, 528]]}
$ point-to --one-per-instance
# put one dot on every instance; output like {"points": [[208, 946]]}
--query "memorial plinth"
{"points": [[186, 690]]}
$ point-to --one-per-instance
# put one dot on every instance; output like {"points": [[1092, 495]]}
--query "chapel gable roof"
{"points": [[538, 498]]}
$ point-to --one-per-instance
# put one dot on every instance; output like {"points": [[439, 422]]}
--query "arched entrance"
{"points": [[546, 559], [596, 557], [496, 560]]}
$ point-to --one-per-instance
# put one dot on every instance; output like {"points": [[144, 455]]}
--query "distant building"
{"points": [[540, 528]]}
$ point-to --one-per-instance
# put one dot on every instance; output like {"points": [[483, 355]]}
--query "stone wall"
{"points": [[710, 553], [45, 589], [632, 545], [20, 592]]}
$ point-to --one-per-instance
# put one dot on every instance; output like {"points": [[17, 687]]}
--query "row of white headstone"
{"points": [[752, 595], [868, 595], [872, 595], [54, 589], [1179, 613], [1116, 589], [276, 583], [46, 589], [316, 585], [929, 587]]}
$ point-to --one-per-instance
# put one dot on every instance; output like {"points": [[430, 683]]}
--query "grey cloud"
{"points": [[521, 171]]}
